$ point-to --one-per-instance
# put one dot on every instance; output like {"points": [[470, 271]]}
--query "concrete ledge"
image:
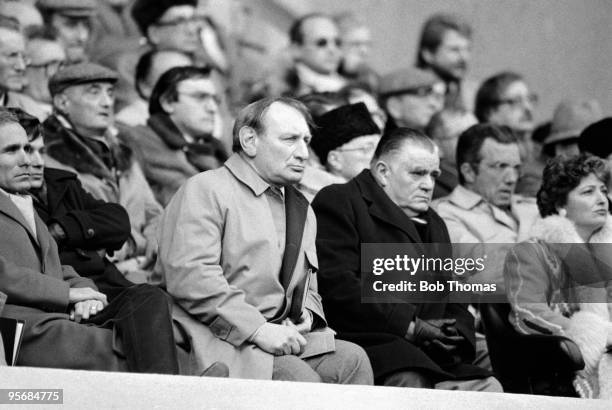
{"points": [[85, 389]]}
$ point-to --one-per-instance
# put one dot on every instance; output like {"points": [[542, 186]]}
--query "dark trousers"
{"points": [[142, 316]]}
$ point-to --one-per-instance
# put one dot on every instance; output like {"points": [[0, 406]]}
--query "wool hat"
{"points": [[71, 8], [597, 138], [339, 126], [570, 118], [82, 73], [147, 12], [406, 80]]}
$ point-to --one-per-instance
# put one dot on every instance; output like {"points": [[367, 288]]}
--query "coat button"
{"points": [[90, 233]]}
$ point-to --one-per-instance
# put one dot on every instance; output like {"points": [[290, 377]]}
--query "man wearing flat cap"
{"points": [[411, 97], [81, 136], [72, 21]]}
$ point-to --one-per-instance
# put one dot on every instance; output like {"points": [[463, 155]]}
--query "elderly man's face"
{"points": [[351, 158], [177, 29], [410, 176], [416, 109], [37, 163], [320, 50], [88, 106], [14, 158], [13, 60], [47, 57], [515, 108], [451, 59], [74, 33], [282, 146], [498, 172], [195, 109]]}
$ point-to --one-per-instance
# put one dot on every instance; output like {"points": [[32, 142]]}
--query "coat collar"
{"points": [[381, 206], [468, 200], [246, 174], [558, 229], [39, 239]]}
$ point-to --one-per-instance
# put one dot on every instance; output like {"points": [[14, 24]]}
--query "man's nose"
{"points": [[82, 33], [301, 151]]}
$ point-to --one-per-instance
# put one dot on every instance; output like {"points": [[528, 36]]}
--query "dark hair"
{"points": [[471, 140], [10, 23], [42, 33], [166, 86], [393, 141], [433, 32], [561, 175], [490, 92], [296, 35], [30, 124], [320, 103], [253, 116], [145, 65], [7, 116]]}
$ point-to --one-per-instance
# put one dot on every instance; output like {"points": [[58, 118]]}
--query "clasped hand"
{"points": [[286, 338], [87, 303]]}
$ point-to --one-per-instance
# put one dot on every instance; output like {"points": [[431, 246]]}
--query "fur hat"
{"points": [[339, 126], [597, 138]]}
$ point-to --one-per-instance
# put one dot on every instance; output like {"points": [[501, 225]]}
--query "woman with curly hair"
{"points": [[557, 282]]}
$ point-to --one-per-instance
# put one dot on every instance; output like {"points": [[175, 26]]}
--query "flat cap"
{"points": [[406, 80], [82, 73], [570, 118], [147, 12], [339, 126], [597, 138], [72, 8]]}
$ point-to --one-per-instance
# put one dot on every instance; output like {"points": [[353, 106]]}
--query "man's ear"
{"points": [[381, 171], [468, 172], [427, 56], [248, 141], [166, 105], [60, 102], [333, 161]]}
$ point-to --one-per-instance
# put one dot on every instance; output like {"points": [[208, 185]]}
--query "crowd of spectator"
{"points": [[156, 220]]}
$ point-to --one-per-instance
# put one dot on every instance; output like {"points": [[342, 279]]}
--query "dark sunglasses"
{"points": [[324, 42]]}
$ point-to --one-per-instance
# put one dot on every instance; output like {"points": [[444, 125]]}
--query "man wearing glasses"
{"points": [[505, 99], [344, 140], [315, 49], [47, 57], [411, 97], [72, 21], [483, 208], [13, 64]]}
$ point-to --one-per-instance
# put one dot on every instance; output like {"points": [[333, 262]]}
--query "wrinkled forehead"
{"points": [[494, 151], [78, 90], [11, 134], [281, 118]]}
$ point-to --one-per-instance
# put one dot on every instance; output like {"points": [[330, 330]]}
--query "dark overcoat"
{"points": [[37, 288], [361, 212]]}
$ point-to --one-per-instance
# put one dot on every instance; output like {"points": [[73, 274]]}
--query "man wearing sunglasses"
{"points": [[315, 49], [411, 97], [47, 57]]}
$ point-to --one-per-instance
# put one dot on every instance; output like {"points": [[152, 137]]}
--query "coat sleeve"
{"points": [[190, 245], [527, 285], [27, 287], [97, 225], [339, 247]]}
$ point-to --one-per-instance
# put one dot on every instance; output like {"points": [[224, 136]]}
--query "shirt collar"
{"points": [[245, 172]]}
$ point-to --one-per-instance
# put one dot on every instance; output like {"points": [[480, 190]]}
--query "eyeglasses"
{"points": [[50, 67], [180, 21], [324, 42], [203, 97], [519, 100], [16, 57], [364, 149]]}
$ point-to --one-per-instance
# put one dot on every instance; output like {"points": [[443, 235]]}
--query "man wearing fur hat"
{"points": [[81, 136], [344, 141]]}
